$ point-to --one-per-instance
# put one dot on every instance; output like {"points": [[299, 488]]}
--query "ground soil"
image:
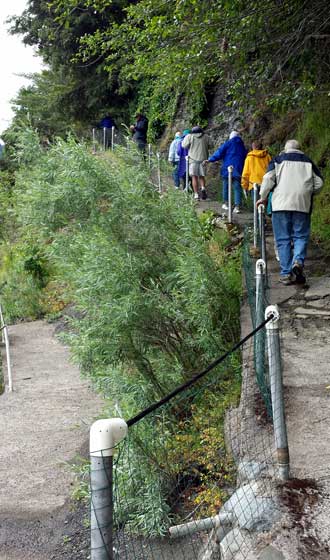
{"points": [[46, 421]]}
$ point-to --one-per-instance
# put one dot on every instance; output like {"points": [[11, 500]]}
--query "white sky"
{"points": [[15, 58]]}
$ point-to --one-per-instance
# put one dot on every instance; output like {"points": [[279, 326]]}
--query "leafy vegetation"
{"points": [[314, 135]]}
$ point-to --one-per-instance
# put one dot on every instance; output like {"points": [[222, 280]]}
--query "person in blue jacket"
{"points": [[182, 153], [106, 124], [232, 152], [174, 159]]}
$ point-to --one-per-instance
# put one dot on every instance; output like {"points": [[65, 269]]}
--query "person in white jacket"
{"points": [[198, 144], [293, 179], [174, 158]]}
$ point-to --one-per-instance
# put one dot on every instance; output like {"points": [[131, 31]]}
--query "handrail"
{"points": [[5, 339]]}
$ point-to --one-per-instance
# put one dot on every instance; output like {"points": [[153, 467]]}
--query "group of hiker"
{"points": [[138, 130], [286, 183], [247, 167]]}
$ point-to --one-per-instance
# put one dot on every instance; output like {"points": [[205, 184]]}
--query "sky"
{"points": [[15, 59]]}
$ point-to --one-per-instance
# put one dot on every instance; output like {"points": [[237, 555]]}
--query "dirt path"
{"points": [[45, 425]]}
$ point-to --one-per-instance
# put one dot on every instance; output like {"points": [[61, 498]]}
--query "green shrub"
{"points": [[156, 297]]}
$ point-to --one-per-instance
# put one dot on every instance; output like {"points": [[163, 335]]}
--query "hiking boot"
{"points": [[285, 279], [203, 194], [224, 206], [298, 271], [236, 210]]}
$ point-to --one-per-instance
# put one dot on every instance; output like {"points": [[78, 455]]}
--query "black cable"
{"points": [[194, 379]]}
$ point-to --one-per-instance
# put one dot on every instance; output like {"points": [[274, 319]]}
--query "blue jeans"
{"points": [[291, 230], [236, 185], [175, 174]]}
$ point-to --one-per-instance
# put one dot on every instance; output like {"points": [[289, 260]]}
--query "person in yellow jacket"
{"points": [[255, 166]]}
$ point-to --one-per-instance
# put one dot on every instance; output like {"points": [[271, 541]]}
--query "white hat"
{"points": [[233, 134]]}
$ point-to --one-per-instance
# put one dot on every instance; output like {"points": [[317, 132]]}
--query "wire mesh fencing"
{"points": [[257, 289], [193, 478]]}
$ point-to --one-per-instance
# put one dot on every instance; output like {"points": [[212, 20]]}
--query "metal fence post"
{"points": [[230, 181], [259, 340], [104, 435], [261, 211], [5, 341], [158, 173], [260, 290], [104, 138], [255, 215], [94, 140], [276, 385], [187, 174], [112, 137]]}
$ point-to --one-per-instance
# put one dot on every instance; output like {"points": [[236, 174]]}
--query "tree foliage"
{"points": [[154, 52], [81, 91]]}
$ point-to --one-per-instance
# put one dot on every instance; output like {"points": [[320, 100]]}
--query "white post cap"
{"points": [[104, 436], [260, 266], [272, 310]]}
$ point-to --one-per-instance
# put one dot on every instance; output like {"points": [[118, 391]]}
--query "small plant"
{"points": [[80, 490], [207, 223]]}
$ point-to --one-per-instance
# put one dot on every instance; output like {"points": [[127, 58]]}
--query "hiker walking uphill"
{"points": [[198, 144], [232, 152], [293, 179], [139, 130], [255, 166], [107, 124], [174, 158], [182, 153]]}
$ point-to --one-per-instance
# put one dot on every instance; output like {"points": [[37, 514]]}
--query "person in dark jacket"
{"points": [[139, 130], [106, 124], [232, 152]]}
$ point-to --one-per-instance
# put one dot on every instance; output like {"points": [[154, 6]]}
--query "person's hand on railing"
{"points": [[261, 201]]}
